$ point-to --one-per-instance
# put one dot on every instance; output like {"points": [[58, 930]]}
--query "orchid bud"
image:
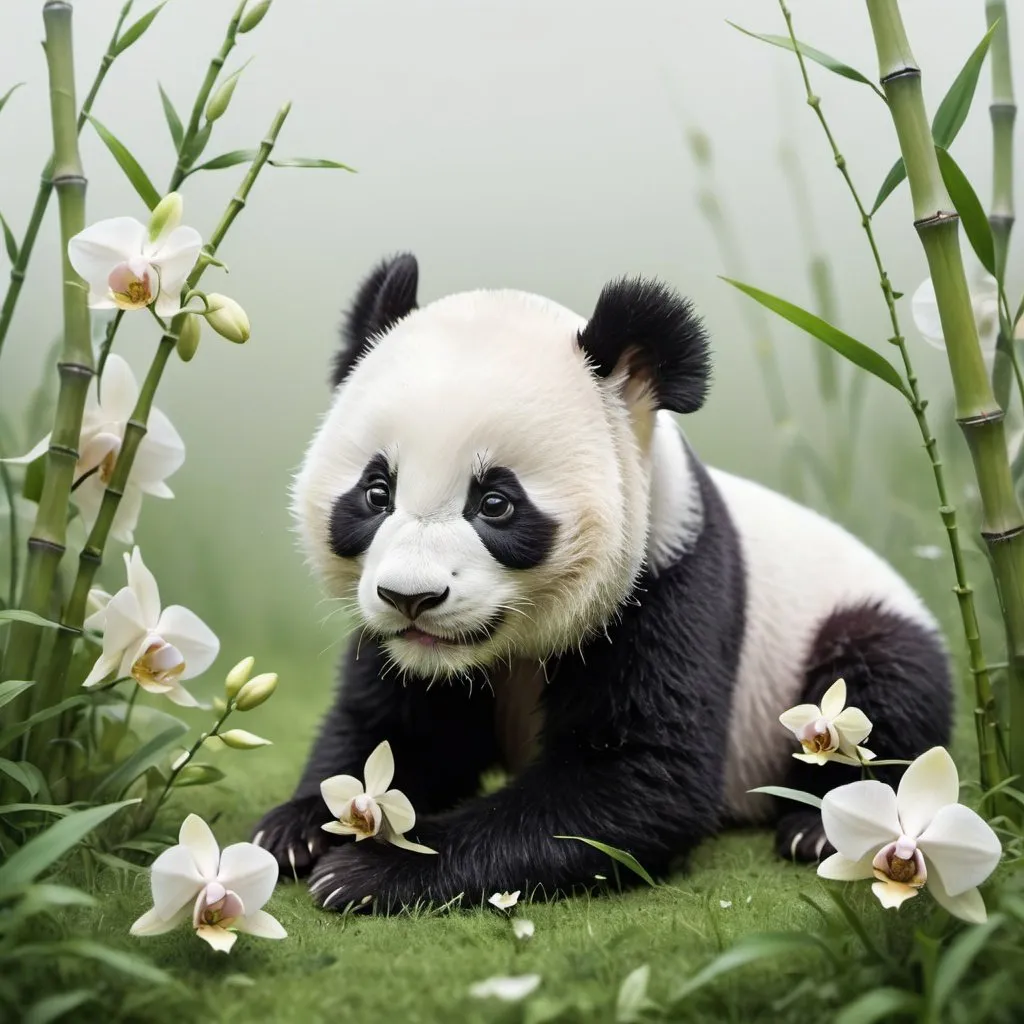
{"points": [[253, 17], [166, 216], [227, 318], [238, 676], [240, 739], [188, 338], [221, 98], [256, 691], [220, 705]]}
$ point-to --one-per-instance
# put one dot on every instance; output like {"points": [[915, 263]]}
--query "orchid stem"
{"points": [[988, 719]]}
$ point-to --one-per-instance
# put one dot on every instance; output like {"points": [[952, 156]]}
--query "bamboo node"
{"points": [[994, 416], [908, 71], [42, 544], [1003, 536], [937, 219]]}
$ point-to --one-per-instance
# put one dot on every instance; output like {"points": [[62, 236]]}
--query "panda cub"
{"points": [[546, 577]]}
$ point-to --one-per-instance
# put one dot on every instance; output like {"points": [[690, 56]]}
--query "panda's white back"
{"points": [[800, 567]]}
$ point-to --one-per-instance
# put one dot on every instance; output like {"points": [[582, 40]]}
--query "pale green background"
{"points": [[533, 144]]}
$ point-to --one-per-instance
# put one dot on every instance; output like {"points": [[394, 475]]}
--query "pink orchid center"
{"points": [[129, 284], [818, 736], [364, 814], [161, 663], [900, 861], [217, 907]]}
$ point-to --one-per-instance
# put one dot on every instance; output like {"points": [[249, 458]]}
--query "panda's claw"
{"points": [[801, 838], [292, 833]]}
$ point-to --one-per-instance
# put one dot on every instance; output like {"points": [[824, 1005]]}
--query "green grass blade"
{"points": [[305, 161], [20, 728], [32, 859], [141, 761], [86, 949], [957, 959], [880, 1004], [135, 30], [171, 116], [789, 794], [824, 59], [17, 615], [968, 206], [14, 770], [131, 167], [855, 351], [625, 859], [1019, 313], [9, 241], [12, 687], [952, 111], [52, 1008]]}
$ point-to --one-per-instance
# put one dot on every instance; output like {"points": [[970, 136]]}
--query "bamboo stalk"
{"points": [[46, 544], [1003, 112], [986, 715], [20, 267], [977, 412], [92, 553]]}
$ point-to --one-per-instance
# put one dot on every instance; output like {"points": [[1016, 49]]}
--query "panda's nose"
{"points": [[412, 604]]}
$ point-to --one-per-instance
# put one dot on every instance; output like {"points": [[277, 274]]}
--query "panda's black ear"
{"points": [[656, 336], [387, 294]]}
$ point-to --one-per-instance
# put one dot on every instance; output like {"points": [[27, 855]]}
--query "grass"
{"points": [[418, 967]]}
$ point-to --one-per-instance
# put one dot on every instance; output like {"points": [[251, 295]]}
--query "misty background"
{"points": [[537, 144]]}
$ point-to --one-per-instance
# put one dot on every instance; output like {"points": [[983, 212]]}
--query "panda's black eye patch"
{"points": [[515, 532], [358, 513]]}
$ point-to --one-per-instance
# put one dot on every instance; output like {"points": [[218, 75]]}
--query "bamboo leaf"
{"points": [[197, 775], [855, 351], [52, 1008], [16, 615], [1019, 313], [952, 111], [194, 147], [748, 951], [14, 770], [622, 856], [32, 859], [131, 167], [171, 116], [789, 794], [303, 161], [7, 95], [86, 949], [957, 959], [134, 31], [10, 688], [9, 241], [824, 59], [880, 1004], [968, 206], [141, 761], [949, 117], [20, 728], [236, 156]]}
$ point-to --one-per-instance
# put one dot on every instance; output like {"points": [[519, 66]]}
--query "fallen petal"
{"points": [[508, 989]]}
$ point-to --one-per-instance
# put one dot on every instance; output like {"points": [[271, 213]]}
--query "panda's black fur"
{"points": [[635, 719]]}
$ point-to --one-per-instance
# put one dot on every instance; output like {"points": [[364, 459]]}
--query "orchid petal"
{"points": [[398, 810], [161, 453], [124, 626], [198, 838], [379, 769], [967, 905], [151, 923], [842, 869], [31, 455], [177, 694], [94, 251], [928, 785], [339, 828], [219, 938], [961, 847], [834, 700], [262, 924], [819, 758], [144, 586], [796, 718], [859, 817], [175, 881], [105, 664], [250, 872], [175, 259], [198, 644], [508, 989], [97, 600], [118, 391], [892, 895], [924, 308], [339, 791], [853, 725], [405, 844]]}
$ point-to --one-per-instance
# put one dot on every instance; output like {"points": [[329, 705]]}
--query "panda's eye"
{"points": [[378, 496], [495, 506]]}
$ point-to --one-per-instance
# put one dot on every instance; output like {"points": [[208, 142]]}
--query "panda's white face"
{"points": [[477, 490]]}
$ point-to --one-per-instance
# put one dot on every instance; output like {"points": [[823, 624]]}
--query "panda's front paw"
{"points": [[370, 875], [801, 837], [292, 833]]}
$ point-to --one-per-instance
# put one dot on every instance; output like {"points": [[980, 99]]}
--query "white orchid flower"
{"points": [[223, 892], [916, 836], [161, 452], [831, 732], [508, 989], [126, 269], [984, 302], [522, 928], [159, 648], [373, 810], [504, 900]]}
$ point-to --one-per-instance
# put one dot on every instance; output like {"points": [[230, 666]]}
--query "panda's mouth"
{"points": [[463, 638]]}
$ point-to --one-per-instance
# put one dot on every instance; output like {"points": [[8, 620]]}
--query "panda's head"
{"points": [[481, 483]]}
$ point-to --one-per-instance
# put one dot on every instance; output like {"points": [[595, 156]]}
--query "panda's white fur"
{"points": [[614, 472]]}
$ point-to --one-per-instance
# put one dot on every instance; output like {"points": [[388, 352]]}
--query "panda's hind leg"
{"points": [[897, 673]]}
